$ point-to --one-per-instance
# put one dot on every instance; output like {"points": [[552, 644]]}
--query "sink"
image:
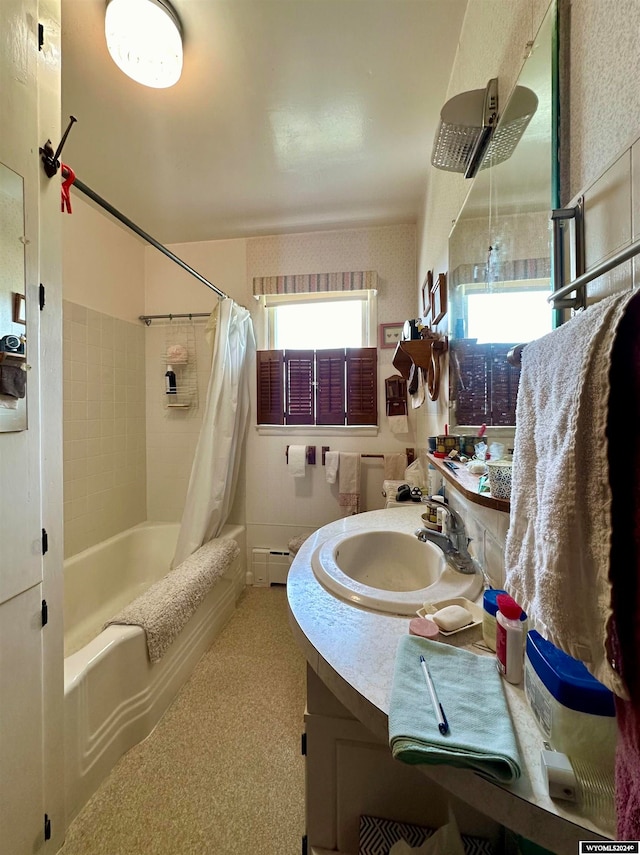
{"points": [[389, 571]]}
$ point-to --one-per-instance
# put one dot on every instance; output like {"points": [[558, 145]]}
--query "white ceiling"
{"points": [[290, 115]]}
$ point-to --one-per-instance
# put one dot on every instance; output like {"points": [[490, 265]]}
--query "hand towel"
{"points": [[417, 397], [468, 686], [395, 464], [8, 403], [331, 462], [297, 460], [557, 547], [13, 381], [349, 483], [398, 424]]}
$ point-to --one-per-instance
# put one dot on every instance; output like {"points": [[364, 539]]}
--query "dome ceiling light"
{"points": [[144, 38]]}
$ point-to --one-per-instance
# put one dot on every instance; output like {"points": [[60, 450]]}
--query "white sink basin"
{"points": [[389, 571]]}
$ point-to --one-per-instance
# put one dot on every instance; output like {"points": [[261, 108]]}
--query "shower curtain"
{"points": [[214, 473]]}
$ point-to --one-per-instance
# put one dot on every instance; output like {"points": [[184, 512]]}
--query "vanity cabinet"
{"points": [[351, 773]]}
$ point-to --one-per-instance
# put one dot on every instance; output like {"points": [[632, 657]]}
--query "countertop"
{"points": [[352, 650]]}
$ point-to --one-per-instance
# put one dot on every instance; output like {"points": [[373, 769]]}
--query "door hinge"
{"points": [[303, 744], [40, 36], [41, 299], [45, 541], [45, 613], [47, 827], [305, 845]]}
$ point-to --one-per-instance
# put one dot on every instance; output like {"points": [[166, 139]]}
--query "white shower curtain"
{"points": [[214, 472]]}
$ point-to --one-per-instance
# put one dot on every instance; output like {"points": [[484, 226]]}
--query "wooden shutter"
{"points": [[299, 381], [362, 386], [330, 387], [472, 361], [486, 386], [503, 384], [270, 388]]}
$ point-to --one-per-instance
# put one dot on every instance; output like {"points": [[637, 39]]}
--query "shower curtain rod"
{"points": [[148, 318], [131, 225]]}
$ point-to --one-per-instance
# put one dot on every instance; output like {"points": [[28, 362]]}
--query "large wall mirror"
{"points": [[13, 375], [500, 250]]}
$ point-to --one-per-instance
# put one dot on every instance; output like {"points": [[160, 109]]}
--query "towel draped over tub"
{"points": [[164, 609]]}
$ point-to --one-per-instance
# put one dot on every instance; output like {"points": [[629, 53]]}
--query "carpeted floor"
{"points": [[222, 773]]}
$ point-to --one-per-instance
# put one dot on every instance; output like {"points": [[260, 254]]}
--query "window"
{"points": [[326, 320], [529, 316], [333, 386], [320, 370]]}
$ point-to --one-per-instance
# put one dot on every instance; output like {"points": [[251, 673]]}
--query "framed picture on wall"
{"points": [[439, 298], [19, 316], [390, 334], [426, 294]]}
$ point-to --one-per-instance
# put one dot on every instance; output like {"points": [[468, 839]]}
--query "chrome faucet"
{"points": [[453, 540]]}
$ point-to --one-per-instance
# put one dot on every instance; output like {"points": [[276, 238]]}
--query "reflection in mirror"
{"points": [[499, 252], [13, 407]]}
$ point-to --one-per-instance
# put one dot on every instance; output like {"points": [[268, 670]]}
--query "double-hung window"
{"points": [[319, 369]]}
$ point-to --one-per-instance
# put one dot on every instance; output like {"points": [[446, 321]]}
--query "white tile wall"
{"points": [[104, 426], [172, 434]]}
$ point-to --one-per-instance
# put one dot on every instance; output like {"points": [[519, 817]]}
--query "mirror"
{"points": [[500, 251], [13, 405]]}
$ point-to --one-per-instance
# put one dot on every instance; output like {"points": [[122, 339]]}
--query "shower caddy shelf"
{"points": [[186, 394]]}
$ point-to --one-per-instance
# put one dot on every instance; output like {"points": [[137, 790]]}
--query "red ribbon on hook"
{"points": [[65, 193]]}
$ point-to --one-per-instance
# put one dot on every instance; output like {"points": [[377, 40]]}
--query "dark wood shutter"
{"points": [[503, 383], [486, 386], [362, 386], [270, 388], [299, 373], [330, 365]]}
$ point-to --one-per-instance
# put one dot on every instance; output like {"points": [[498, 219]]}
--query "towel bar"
{"points": [[410, 452]]}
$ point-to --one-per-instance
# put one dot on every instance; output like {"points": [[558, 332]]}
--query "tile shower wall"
{"points": [[172, 434], [104, 426]]}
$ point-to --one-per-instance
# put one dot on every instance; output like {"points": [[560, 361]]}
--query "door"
{"points": [[21, 636]]}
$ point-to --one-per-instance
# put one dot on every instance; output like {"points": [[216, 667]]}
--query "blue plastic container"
{"points": [[574, 710], [567, 679]]}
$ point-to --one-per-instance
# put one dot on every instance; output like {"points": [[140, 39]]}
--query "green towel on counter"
{"points": [[469, 688]]}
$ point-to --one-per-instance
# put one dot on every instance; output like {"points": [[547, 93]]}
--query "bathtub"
{"points": [[113, 695]]}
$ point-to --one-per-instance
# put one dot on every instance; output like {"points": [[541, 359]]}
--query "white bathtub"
{"points": [[114, 696]]}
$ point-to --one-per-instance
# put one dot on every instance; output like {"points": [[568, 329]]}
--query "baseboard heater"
{"points": [[270, 566]]}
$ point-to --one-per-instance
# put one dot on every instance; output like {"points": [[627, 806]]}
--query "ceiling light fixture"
{"points": [[144, 38], [470, 137]]}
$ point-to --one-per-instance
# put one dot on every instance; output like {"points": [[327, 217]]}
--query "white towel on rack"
{"points": [[331, 462], [558, 543], [398, 424], [297, 460], [349, 483], [395, 463]]}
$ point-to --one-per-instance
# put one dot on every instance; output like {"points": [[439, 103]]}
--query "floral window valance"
{"points": [[315, 283]]}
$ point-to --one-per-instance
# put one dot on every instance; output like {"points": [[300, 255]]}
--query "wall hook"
{"points": [[50, 160]]}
